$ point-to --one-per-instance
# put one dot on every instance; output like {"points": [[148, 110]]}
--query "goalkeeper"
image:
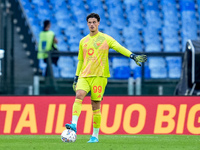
{"points": [[93, 70]]}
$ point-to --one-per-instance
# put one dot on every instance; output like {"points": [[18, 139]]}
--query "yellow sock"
{"points": [[96, 122], [76, 110]]}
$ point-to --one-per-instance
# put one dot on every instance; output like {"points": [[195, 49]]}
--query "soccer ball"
{"points": [[68, 136]]}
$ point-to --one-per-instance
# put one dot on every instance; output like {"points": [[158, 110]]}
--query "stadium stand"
{"points": [[141, 26]]}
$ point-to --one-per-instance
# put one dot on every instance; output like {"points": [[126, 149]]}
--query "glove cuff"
{"points": [[132, 56], [75, 78]]}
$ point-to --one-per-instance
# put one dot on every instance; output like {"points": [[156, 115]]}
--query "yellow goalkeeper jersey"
{"points": [[93, 55]]}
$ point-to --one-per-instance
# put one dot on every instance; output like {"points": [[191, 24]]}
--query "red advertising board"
{"points": [[120, 115]]}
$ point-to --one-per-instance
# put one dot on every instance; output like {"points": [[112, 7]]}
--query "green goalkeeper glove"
{"points": [[138, 58], [74, 83]]}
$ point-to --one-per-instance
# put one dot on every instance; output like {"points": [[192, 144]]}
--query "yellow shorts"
{"points": [[96, 85]]}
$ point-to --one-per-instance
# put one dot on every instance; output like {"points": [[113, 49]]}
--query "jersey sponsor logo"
{"points": [[99, 96], [85, 45], [90, 51], [98, 43]]}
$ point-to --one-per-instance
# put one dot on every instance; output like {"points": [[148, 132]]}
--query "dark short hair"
{"points": [[93, 15], [46, 23]]}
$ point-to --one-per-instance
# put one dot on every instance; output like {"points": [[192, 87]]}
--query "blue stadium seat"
{"points": [[137, 71], [121, 68], [189, 26], [32, 19], [55, 28], [75, 58], [160, 72], [76, 4], [174, 67], [79, 13], [73, 40], [68, 72], [171, 22], [74, 47], [170, 39], [62, 46], [94, 4], [66, 65], [39, 2], [58, 4], [72, 32], [63, 18], [62, 14], [189, 33], [147, 72], [115, 9], [113, 32], [135, 18], [56, 71], [151, 40], [150, 5], [153, 19], [169, 32], [64, 61], [157, 66], [42, 9], [43, 65], [24, 2], [133, 13], [81, 19], [60, 37], [188, 17], [122, 72], [130, 32], [169, 9], [171, 45], [26, 5], [44, 13], [132, 39], [152, 13], [29, 12], [153, 47], [36, 30], [134, 45], [198, 4], [156, 62], [168, 2], [63, 23], [187, 5], [132, 2], [86, 31]]}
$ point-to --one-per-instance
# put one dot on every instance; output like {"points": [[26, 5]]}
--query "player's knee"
{"points": [[80, 94], [95, 105]]}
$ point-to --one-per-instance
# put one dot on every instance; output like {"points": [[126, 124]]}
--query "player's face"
{"points": [[93, 24]]}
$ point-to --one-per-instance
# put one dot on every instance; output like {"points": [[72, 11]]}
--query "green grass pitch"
{"points": [[107, 142]]}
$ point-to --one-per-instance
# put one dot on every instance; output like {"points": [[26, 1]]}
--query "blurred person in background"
{"points": [[47, 42]]}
